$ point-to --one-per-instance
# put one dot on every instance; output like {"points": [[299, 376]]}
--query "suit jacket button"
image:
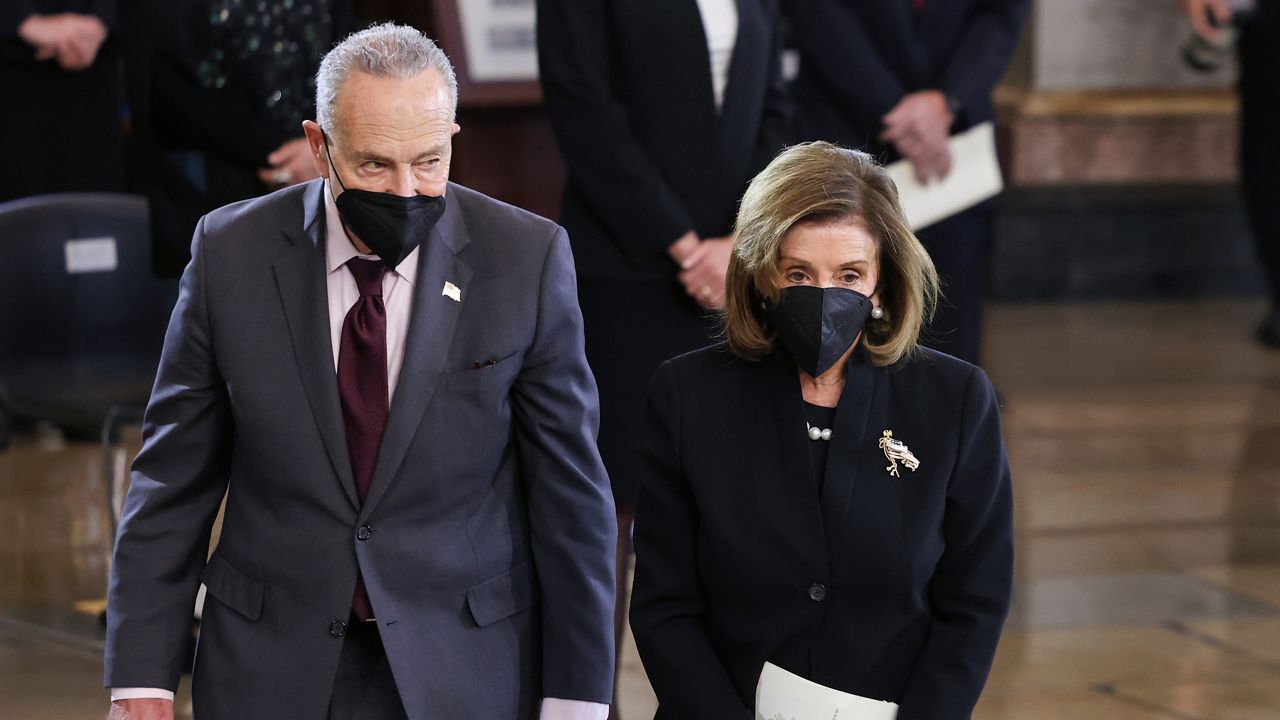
{"points": [[817, 592], [364, 533], [337, 628]]}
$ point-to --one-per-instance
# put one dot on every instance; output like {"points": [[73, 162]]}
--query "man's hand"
{"points": [[73, 39], [704, 271], [919, 126], [141, 709], [290, 164], [1199, 11]]}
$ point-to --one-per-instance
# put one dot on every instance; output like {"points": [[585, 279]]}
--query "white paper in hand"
{"points": [[782, 695], [974, 177]]}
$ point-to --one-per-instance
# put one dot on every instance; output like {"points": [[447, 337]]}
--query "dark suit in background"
{"points": [[893, 588], [60, 130], [858, 60], [629, 90], [1259, 49]]}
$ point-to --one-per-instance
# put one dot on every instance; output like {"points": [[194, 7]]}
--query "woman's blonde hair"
{"points": [[819, 182]]}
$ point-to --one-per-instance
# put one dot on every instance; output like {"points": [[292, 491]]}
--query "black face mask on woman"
{"points": [[391, 225], [817, 325]]}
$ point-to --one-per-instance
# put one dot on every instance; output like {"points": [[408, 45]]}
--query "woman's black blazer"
{"points": [[893, 588], [627, 84]]}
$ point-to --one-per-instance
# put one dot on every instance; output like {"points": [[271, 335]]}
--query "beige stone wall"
{"points": [[1098, 94], [1113, 44]]}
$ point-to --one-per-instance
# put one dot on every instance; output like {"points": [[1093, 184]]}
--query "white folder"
{"points": [[782, 695], [974, 177]]}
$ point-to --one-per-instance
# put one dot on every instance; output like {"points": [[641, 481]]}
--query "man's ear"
{"points": [[315, 139]]}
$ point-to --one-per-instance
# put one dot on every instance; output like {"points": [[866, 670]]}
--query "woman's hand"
{"points": [[290, 164], [703, 271], [70, 38]]}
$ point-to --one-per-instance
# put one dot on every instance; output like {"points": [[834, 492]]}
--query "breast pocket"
{"points": [[495, 374]]}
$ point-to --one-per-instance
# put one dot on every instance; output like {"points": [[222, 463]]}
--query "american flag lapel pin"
{"points": [[452, 292]]}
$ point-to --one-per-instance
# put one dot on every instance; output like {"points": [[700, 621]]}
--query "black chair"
{"points": [[82, 316]]}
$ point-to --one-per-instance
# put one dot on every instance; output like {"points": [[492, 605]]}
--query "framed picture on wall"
{"points": [[493, 47]]}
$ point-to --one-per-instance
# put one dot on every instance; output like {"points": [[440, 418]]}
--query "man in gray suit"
{"points": [[384, 373]]}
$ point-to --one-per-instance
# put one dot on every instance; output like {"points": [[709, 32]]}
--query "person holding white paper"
{"points": [[819, 492]]}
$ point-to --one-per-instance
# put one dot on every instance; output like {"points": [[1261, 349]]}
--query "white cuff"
{"points": [[557, 709], [140, 694]]}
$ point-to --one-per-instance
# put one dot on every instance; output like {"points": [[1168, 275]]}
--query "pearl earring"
{"points": [[877, 312]]}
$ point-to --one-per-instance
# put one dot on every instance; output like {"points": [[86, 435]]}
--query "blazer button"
{"points": [[817, 592], [337, 628], [364, 533]]}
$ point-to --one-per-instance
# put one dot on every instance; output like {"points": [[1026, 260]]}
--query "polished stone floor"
{"points": [[1145, 445]]}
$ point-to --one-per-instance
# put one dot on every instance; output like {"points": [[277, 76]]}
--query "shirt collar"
{"points": [[338, 248]]}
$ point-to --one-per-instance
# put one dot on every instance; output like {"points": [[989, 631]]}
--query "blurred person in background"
{"points": [[1258, 46], [897, 78], [663, 112], [820, 492], [220, 89], [60, 79]]}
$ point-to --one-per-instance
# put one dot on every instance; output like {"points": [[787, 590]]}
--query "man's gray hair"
{"points": [[386, 50]]}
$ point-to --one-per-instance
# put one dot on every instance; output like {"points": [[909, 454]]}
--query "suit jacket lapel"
{"points": [[699, 87], [739, 120], [300, 278], [431, 327], [794, 454], [863, 397]]}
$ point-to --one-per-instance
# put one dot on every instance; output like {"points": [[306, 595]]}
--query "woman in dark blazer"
{"points": [[820, 492], [663, 110]]}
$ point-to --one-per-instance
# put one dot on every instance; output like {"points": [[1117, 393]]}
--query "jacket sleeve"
{"points": [[972, 584], [668, 607], [178, 482], [983, 53], [832, 37], [12, 14], [605, 161], [108, 11], [573, 525]]}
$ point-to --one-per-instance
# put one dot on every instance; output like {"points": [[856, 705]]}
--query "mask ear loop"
{"points": [[760, 308], [334, 168]]}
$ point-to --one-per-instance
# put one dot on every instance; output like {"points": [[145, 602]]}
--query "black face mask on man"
{"points": [[817, 325], [391, 225]]}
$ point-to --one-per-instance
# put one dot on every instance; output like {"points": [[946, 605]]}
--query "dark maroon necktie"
{"points": [[362, 386], [918, 4]]}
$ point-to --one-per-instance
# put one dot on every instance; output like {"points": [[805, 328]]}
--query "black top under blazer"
{"points": [[628, 88], [893, 588]]}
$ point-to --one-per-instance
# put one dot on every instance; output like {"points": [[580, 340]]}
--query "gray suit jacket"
{"points": [[486, 541]]}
